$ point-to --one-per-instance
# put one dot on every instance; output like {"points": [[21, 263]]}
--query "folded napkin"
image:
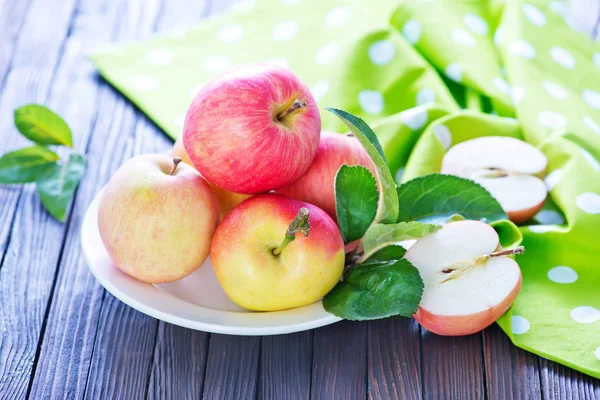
{"points": [[428, 75]]}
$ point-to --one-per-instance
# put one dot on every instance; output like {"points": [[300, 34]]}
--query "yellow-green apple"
{"points": [[469, 282], [317, 184], [510, 169], [227, 200], [157, 218], [253, 129], [273, 253]]}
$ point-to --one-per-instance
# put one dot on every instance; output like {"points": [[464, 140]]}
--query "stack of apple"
{"points": [[252, 136]]}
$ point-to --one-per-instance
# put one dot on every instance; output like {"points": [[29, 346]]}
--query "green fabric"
{"points": [[428, 75]]}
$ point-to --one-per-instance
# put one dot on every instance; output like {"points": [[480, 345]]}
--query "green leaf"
{"points": [[387, 211], [386, 255], [376, 291], [435, 198], [509, 233], [26, 165], [379, 236], [57, 189], [43, 126], [356, 198]]}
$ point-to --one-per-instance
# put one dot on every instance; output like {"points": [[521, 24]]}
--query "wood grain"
{"points": [[394, 359], [12, 17], [452, 366], [340, 361], [560, 382]]}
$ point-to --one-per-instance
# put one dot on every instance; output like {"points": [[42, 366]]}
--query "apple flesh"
{"points": [[253, 269], [157, 218], [510, 169], [227, 200], [253, 129], [468, 284], [317, 185]]}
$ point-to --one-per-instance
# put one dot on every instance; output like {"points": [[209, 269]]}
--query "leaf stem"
{"points": [[300, 223]]}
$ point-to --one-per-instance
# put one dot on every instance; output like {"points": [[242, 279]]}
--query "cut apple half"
{"points": [[510, 169], [469, 282]]}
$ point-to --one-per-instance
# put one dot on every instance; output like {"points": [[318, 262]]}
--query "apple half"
{"points": [[510, 169], [469, 284]]}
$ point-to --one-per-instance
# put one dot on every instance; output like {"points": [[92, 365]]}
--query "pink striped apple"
{"points": [[253, 129]]}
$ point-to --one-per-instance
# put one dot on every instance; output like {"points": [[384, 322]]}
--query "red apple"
{"points": [[253, 129], [317, 185], [264, 263]]}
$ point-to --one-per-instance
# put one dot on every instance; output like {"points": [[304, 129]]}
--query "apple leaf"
{"points": [[386, 255], [43, 126], [376, 291], [387, 211], [356, 198], [436, 198], [509, 233], [380, 236], [26, 165], [57, 188]]}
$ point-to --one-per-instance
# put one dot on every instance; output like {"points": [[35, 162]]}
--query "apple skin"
{"points": [[317, 185], [227, 200], [522, 216], [255, 279], [156, 227], [453, 325], [233, 137]]}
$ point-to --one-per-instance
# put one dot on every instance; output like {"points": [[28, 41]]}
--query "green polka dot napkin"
{"points": [[428, 75]]}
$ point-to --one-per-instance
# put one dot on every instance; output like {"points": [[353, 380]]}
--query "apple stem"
{"points": [[509, 252], [300, 223], [176, 162], [296, 105], [493, 172], [460, 271]]}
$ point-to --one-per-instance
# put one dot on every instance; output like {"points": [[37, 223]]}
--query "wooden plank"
{"points": [[394, 356], [560, 382], [340, 361], [511, 373], [286, 365], [232, 367], [452, 366], [12, 17]]}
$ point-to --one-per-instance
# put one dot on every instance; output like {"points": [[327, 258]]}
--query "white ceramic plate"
{"points": [[195, 302]]}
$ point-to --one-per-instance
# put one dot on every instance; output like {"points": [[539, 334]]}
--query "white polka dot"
{"points": [[597, 353], [585, 314], [443, 134], [588, 202], [371, 101], [553, 178], [522, 48], [542, 228], [554, 90], [593, 125], [592, 98], [400, 174], [179, 121], [560, 7], [414, 118], [244, 5], [552, 120], [549, 217], [285, 31], [501, 85], [562, 57], [337, 16], [519, 325], [412, 30], [160, 56], [144, 82], [534, 14], [230, 33], [517, 94], [498, 35], [319, 90], [282, 62], [476, 24], [425, 96], [327, 53], [216, 63], [590, 159], [194, 90], [454, 72], [463, 37], [562, 274], [382, 52], [596, 58]]}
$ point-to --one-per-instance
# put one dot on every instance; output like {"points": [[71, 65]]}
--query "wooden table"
{"points": [[63, 336]]}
